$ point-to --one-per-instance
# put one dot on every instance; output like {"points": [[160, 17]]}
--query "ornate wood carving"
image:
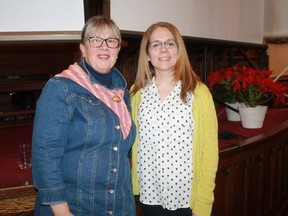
{"points": [[252, 178]]}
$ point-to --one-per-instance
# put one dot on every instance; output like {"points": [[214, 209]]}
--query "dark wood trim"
{"points": [[252, 175], [96, 7]]}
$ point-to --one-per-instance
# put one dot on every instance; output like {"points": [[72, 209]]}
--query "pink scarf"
{"points": [[114, 99]]}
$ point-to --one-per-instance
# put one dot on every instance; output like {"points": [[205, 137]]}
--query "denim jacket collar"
{"points": [[118, 81]]}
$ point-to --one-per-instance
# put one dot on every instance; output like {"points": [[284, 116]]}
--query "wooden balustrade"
{"points": [[252, 177]]}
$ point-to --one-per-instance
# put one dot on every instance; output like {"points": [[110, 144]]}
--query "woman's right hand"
{"points": [[61, 209]]}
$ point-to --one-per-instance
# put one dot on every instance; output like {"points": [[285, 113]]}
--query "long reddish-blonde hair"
{"points": [[183, 70]]}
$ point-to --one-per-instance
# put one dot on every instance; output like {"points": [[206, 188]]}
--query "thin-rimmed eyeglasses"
{"points": [[169, 44]]}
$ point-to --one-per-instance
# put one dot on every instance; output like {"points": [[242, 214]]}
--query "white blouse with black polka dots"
{"points": [[165, 148]]}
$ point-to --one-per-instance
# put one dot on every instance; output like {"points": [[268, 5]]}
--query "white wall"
{"points": [[276, 18], [233, 20], [40, 19]]}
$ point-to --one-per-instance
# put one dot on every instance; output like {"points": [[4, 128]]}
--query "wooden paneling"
{"points": [[26, 59], [252, 177], [26, 66], [17, 201]]}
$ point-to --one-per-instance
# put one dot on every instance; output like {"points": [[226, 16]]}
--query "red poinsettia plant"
{"points": [[247, 85]]}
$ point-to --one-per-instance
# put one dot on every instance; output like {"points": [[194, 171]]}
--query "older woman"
{"points": [[83, 133]]}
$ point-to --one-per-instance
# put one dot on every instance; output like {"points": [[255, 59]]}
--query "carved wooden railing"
{"points": [[252, 177]]}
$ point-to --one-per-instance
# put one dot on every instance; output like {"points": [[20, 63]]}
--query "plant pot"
{"points": [[232, 115], [252, 117]]}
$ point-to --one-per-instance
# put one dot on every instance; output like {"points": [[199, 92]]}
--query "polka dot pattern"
{"points": [[165, 148]]}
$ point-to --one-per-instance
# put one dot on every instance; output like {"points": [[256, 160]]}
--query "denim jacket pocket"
{"points": [[92, 107]]}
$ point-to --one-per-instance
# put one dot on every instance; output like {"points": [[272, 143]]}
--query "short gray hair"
{"points": [[95, 25]]}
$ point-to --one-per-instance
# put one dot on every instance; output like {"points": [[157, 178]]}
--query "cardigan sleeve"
{"points": [[205, 151], [135, 101]]}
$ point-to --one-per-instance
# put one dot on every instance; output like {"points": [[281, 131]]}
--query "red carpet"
{"points": [[10, 138], [274, 118]]}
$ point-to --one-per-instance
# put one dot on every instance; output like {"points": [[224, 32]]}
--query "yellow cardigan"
{"points": [[205, 150]]}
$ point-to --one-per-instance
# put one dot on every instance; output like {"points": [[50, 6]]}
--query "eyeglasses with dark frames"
{"points": [[169, 44], [97, 42]]}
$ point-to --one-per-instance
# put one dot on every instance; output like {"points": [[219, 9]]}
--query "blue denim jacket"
{"points": [[78, 152]]}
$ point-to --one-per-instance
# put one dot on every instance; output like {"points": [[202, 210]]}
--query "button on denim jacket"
{"points": [[78, 152]]}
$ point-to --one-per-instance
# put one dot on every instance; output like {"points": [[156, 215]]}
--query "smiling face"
{"points": [[163, 59], [102, 58]]}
